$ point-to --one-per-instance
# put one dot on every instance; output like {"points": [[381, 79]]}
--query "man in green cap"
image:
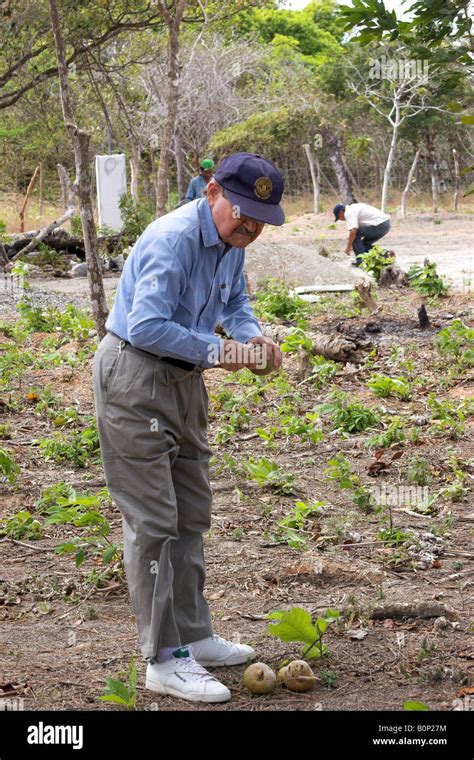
{"points": [[198, 184]]}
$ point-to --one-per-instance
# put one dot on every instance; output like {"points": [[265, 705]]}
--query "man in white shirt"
{"points": [[366, 225]]}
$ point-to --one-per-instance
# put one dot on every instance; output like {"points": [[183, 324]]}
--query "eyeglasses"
{"points": [[243, 217]]}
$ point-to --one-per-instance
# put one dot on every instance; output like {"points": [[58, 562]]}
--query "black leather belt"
{"points": [[168, 359]]}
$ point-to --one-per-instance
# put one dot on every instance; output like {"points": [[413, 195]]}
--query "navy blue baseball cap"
{"points": [[253, 184], [337, 209]]}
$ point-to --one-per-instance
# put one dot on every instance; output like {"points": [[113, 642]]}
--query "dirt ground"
{"points": [[62, 634]]}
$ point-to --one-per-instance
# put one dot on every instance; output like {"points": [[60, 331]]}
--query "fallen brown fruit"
{"points": [[297, 676], [259, 678]]}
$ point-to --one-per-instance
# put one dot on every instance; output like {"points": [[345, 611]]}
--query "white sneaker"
{"points": [[218, 651], [184, 677]]}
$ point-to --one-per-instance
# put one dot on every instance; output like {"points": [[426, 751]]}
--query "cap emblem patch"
{"points": [[263, 188]]}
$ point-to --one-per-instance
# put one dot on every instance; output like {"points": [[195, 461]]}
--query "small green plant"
{"points": [[307, 428], [296, 625], [5, 431], [51, 495], [22, 525], [457, 341], [121, 693], [77, 448], [393, 434], [274, 302], [268, 474], [339, 470], [448, 417], [393, 536], [425, 280], [349, 417], [81, 511], [135, 217], [418, 471], [322, 370], [71, 321], [375, 260], [328, 678], [385, 386], [76, 225], [8, 467], [296, 341], [291, 528]]}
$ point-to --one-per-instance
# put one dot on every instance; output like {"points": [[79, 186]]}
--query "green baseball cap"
{"points": [[207, 163]]}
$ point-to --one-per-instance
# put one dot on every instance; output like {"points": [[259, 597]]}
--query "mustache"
{"points": [[242, 231]]}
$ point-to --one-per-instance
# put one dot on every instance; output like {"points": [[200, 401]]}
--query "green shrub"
{"points": [[426, 281]]}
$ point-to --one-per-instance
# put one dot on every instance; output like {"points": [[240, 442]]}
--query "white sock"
{"points": [[166, 653]]}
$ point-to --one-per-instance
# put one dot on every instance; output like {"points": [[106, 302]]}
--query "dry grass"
{"points": [[10, 204]]}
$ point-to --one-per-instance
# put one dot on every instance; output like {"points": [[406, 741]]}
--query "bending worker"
{"points": [[366, 225], [183, 275]]}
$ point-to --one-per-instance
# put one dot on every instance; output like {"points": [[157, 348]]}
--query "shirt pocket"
{"points": [[224, 292]]}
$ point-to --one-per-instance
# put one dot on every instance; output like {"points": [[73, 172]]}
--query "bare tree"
{"points": [[315, 175], [397, 96], [172, 15], [403, 206], [80, 143], [27, 37], [334, 145], [456, 180], [210, 98]]}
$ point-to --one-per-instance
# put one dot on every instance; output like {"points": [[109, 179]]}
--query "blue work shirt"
{"points": [[195, 189], [178, 281]]}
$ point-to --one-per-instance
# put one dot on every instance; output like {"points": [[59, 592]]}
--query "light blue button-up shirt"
{"points": [[177, 283], [195, 188]]}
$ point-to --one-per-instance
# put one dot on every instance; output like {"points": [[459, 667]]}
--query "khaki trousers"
{"points": [[152, 421]]}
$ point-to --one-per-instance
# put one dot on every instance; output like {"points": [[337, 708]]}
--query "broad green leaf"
{"points": [[415, 706], [294, 625]]}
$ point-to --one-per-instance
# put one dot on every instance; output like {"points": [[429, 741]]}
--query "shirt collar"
{"points": [[209, 232]]}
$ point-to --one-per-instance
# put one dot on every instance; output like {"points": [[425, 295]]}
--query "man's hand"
{"points": [[269, 356], [352, 237], [261, 360], [234, 356]]}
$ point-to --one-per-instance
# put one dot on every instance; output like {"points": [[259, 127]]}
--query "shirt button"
{"points": [[223, 285]]}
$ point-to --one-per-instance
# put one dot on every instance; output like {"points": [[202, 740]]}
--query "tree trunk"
{"points": [[391, 153], [41, 192], [456, 180], [27, 198], [180, 171], [68, 190], [334, 145], [173, 22], [433, 169], [403, 207], [134, 172], [315, 175], [80, 143]]}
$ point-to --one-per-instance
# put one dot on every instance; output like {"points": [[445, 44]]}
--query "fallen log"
{"points": [[59, 240], [334, 346], [42, 234], [414, 609]]}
